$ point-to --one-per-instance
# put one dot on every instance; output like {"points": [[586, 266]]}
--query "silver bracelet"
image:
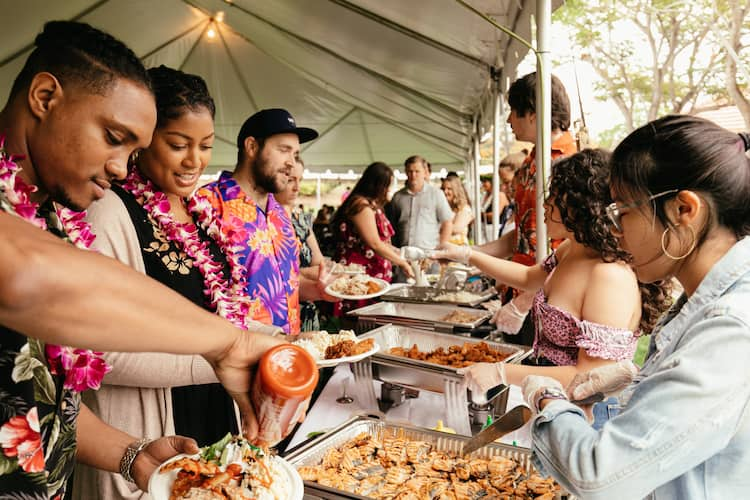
{"points": [[131, 452]]}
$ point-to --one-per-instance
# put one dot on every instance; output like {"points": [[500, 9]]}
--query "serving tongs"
{"points": [[512, 420]]}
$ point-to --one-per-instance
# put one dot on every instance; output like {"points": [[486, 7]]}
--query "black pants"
{"points": [[525, 335]]}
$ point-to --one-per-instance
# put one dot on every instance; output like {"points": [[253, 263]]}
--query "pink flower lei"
{"points": [[228, 297], [83, 368]]}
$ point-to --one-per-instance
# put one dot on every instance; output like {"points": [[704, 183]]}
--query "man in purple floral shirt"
{"points": [[268, 143]]}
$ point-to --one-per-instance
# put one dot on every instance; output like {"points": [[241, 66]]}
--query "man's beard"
{"points": [[267, 182]]}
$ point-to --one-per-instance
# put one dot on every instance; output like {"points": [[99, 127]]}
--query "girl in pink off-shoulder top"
{"points": [[588, 308], [560, 335]]}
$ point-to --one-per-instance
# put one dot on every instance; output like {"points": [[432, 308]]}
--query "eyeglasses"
{"points": [[614, 212]]}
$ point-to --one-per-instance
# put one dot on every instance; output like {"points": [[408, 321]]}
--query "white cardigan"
{"points": [[135, 396]]}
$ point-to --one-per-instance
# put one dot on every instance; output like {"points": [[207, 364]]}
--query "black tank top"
{"points": [[203, 412]]}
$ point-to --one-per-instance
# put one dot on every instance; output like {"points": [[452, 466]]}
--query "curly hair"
{"points": [[79, 54], [579, 188], [178, 92]]}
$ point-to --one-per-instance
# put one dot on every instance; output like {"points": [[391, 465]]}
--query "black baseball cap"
{"points": [[268, 122]]}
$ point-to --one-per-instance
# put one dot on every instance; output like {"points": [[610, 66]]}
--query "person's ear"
{"points": [[251, 147], [686, 208], [44, 93]]}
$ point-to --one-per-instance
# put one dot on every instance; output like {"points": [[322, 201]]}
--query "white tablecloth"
{"points": [[423, 411]]}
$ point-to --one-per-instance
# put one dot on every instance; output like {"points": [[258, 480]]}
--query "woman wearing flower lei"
{"points": [[152, 224], [78, 109]]}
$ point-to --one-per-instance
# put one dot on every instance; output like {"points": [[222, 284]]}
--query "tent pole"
{"points": [[317, 191], [496, 153], [503, 112], [543, 122], [478, 215]]}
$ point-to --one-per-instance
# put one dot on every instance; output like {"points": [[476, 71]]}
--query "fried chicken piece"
{"points": [[348, 348], [455, 356]]}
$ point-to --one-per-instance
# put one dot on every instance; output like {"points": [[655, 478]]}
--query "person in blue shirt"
{"points": [[680, 186]]}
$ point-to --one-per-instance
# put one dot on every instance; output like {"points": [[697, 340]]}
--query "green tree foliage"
{"points": [[659, 56]]}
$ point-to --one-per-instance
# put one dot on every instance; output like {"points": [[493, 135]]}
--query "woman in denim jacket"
{"points": [[681, 187]]}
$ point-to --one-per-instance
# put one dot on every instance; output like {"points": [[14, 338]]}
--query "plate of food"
{"points": [[357, 287], [343, 347], [231, 468]]}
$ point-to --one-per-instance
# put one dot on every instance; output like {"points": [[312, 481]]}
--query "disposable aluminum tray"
{"points": [[421, 315], [418, 374], [311, 454], [428, 295]]}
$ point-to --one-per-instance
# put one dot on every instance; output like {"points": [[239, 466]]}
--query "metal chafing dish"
{"points": [[425, 316], [430, 295], [416, 374], [311, 453]]}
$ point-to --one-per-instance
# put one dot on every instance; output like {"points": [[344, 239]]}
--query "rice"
{"points": [[280, 487], [317, 343]]}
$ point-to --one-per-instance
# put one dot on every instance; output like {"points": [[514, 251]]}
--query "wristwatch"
{"points": [[549, 393], [131, 452]]}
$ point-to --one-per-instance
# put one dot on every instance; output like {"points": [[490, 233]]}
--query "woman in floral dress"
{"points": [[363, 233]]}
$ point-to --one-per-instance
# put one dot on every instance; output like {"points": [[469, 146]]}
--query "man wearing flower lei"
{"points": [[152, 223], [77, 110], [269, 143]]}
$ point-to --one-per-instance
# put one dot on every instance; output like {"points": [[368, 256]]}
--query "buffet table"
{"points": [[423, 411]]}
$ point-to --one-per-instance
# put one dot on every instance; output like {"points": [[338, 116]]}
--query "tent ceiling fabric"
{"points": [[379, 79]]}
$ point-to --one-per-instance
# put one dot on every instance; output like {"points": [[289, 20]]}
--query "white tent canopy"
{"points": [[379, 79]]}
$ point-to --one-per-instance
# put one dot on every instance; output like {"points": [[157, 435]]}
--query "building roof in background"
{"points": [[728, 117]]}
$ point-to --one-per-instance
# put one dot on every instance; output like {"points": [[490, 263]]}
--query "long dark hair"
{"points": [[686, 152], [371, 189], [80, 54], [579, 188], [178, 92]]}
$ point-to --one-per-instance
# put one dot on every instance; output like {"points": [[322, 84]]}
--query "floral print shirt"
{"points": [[525, 199], [37, 412], [271, 254]]}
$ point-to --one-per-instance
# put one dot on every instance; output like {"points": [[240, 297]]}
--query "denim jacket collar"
{"points": [[725, 273]]}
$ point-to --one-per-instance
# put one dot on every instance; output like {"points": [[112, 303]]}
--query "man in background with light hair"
{"points": [[419, 212]]}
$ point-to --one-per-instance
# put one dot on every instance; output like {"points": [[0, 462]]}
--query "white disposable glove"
{"points": [[508, 318], [481, 377], [412, 253], [456, 253], [606, 380], [533, 385]]}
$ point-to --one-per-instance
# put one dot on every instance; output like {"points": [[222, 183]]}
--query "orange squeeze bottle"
{"points": [[285, 380]]}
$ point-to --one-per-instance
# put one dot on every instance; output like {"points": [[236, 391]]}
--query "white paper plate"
{"points": [[384, 287], [348, 359], [160, 484]]}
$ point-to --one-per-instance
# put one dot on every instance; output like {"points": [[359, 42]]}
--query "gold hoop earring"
{"points": [[690, 250]]}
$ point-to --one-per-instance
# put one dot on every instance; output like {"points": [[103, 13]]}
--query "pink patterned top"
{"points": [[559, 335]]}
